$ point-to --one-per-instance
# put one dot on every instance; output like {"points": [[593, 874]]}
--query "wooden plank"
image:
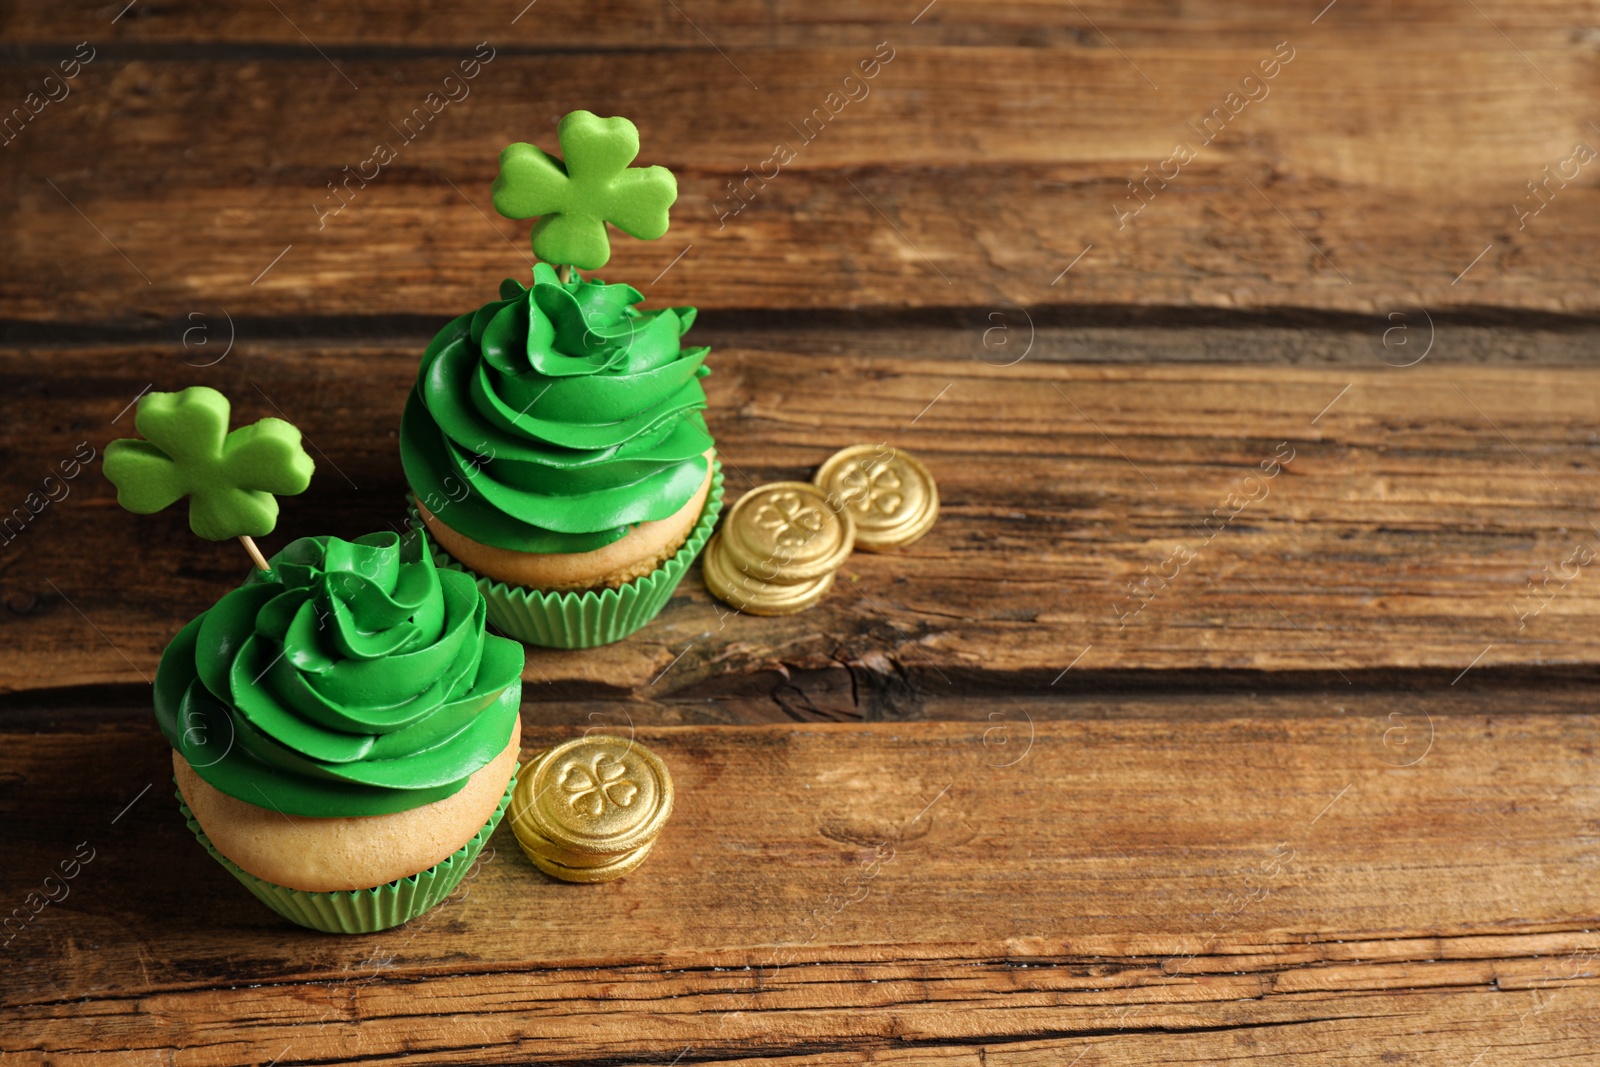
{"points": [[1399, 711], [1160, 892], [890, 1019], [118, 212], [749, 24], [999, 335], [1402, 534]]}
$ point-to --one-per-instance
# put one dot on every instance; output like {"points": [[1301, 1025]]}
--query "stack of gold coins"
{"points": [[589, 810], [888, 493], [778, 550]]}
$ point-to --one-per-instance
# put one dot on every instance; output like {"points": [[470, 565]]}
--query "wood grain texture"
{"points": [[561, 25], [1403, 533], [1152, 890], [951, 185], [1326, 798]]}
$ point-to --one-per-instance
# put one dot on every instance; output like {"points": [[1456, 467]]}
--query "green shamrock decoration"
{"points": [[575, 200], [229, 478]]}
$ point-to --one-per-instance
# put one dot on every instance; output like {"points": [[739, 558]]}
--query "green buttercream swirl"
{"points": [[353, 678], [558, 417]]}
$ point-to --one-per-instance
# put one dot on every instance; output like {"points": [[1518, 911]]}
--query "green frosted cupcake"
{"points": [[344, 730], [584, 620], [362, 911], [555, 442]]}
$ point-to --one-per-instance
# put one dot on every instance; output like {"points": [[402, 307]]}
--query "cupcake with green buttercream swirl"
{"points": [[555, 441], [344, 729]]}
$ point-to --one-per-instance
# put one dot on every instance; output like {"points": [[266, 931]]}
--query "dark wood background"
{"points": [[1328, 798]]}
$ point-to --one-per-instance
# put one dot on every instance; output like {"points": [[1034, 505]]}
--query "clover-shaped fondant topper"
{"points": [[575, 199], [229, 478]]}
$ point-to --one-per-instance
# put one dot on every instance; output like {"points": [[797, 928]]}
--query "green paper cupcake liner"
{"points": [[361, 911], [584, 620]]}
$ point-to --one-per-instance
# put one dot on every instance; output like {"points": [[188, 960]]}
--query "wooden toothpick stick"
{"points": [[564, 272], [249, 544]]}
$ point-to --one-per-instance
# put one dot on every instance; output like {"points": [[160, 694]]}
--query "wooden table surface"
{"points": [[1323, 792]]}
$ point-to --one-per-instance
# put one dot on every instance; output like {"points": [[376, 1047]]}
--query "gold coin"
{"points": [[785, 532], [615, 869], [536, 844], [576, 867], [593, 804], [742, 590], [889, 495]]}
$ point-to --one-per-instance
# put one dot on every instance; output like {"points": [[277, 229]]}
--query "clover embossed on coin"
{"points": [[875, 489], [790, 521], [593, 786]]}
